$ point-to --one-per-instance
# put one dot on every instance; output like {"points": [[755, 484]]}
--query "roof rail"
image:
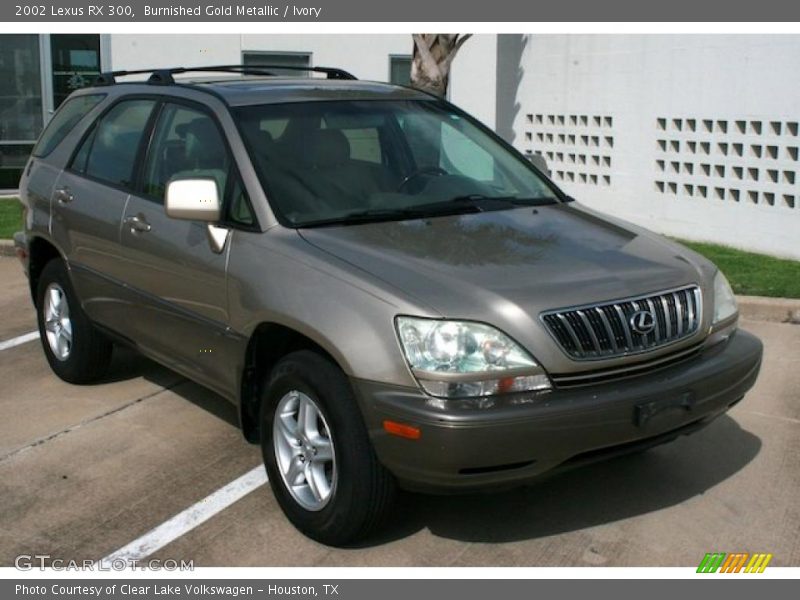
{"points": [[165, 76]]}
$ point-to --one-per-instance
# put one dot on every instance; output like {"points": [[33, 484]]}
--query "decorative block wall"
{"points": [[728, 160], [579, 148]]}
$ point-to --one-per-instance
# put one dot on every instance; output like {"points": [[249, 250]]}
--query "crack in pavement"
{"points": [[43, 440]]}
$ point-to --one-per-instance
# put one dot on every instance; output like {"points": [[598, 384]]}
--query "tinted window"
{"points": [[109, 152], [240, 211], [72, 111], [79, 160], [187, 143]]}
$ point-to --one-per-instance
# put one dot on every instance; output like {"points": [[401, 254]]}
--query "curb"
{"points": [[757, 308], [779, 310]]}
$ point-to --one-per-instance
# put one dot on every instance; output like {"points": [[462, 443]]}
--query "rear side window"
{"points": [[108, 153], [72, 111]]}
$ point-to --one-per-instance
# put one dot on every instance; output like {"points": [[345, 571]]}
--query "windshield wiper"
{"points": [[515, 200], [372, 215], [465, 204]]}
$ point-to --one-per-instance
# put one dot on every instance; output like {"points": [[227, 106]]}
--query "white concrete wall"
{"points": [[474, 78], [366, 56], [668, 131]]}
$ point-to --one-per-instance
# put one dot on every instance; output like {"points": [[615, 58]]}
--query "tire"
{"points": [[87, 354], [360, 490]]}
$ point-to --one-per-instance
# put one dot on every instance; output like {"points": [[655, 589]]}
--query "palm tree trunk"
{"points": [[433, 56]]}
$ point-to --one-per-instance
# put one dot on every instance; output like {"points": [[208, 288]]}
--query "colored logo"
{"points": [[736, 562]]}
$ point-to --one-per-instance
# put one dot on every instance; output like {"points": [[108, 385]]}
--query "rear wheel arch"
{"points": [[40, 252], [268, 344]]}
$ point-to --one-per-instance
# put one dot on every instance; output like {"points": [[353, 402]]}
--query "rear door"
{"points": [[88, 202], [182, 315]]}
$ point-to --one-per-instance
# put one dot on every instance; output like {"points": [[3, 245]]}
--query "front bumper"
{"points": [[507, 440]]}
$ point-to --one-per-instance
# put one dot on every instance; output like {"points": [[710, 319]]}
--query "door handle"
{"points": [[137, 224], [63, 195]]}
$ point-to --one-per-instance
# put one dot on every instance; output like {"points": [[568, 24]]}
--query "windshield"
{"points": [[354, 161]]}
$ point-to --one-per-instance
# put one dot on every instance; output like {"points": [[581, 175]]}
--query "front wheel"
{"points": [[320, 462]]}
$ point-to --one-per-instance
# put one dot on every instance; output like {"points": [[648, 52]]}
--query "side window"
{"points": [[186, 143], [365, 144], [72, 111], [240, 211], [108, 153], [79, 161]]}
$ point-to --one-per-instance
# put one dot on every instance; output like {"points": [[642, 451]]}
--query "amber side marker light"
{"points": [[400, 430]]}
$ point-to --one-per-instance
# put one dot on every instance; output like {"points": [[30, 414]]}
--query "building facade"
{"points": [[694, 136]]}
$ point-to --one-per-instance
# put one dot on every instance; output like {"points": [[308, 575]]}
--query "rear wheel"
{"points": [[320, 462], [75, 350]]}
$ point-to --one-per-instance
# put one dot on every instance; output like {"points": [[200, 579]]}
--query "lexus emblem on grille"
{"points": [[643, 322]]}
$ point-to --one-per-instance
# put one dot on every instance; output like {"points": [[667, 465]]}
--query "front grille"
{"points": [[604, 330]]}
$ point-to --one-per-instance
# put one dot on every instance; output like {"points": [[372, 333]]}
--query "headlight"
{"points": [[458, 359], [724, 300]]}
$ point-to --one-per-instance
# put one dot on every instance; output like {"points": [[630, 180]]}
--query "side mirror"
{"points": [[193, 199], [538, 161]]}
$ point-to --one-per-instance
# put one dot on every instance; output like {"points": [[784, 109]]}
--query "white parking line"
{"points": [[22, 339], [185, 521]]}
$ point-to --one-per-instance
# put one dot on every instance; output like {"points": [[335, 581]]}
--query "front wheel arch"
{"points": [[360, 490], [269, 343]]}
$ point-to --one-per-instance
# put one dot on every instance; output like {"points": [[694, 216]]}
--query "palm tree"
{"points": [[432, 59]]}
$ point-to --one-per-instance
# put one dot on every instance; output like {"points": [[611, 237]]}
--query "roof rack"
{"points": [[165, 76]]}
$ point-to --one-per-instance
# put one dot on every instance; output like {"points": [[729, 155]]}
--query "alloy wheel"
{"points": [[57, 322], [304, 450]]}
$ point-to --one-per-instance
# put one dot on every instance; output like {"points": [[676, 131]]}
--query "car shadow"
{"points": [[127, 363], [601, 493], [597, 494]]}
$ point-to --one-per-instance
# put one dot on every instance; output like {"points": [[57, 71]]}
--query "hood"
{"points": [[506, 267], [527, 259]]}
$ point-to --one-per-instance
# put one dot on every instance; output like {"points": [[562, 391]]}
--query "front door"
{"points": [[182, 315]]}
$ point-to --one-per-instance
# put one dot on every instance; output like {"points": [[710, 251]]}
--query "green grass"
{"points": [[10, 217], [753, 274]]}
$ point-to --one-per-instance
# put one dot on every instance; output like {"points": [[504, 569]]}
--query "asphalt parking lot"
{"points": [[84, 471]]}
